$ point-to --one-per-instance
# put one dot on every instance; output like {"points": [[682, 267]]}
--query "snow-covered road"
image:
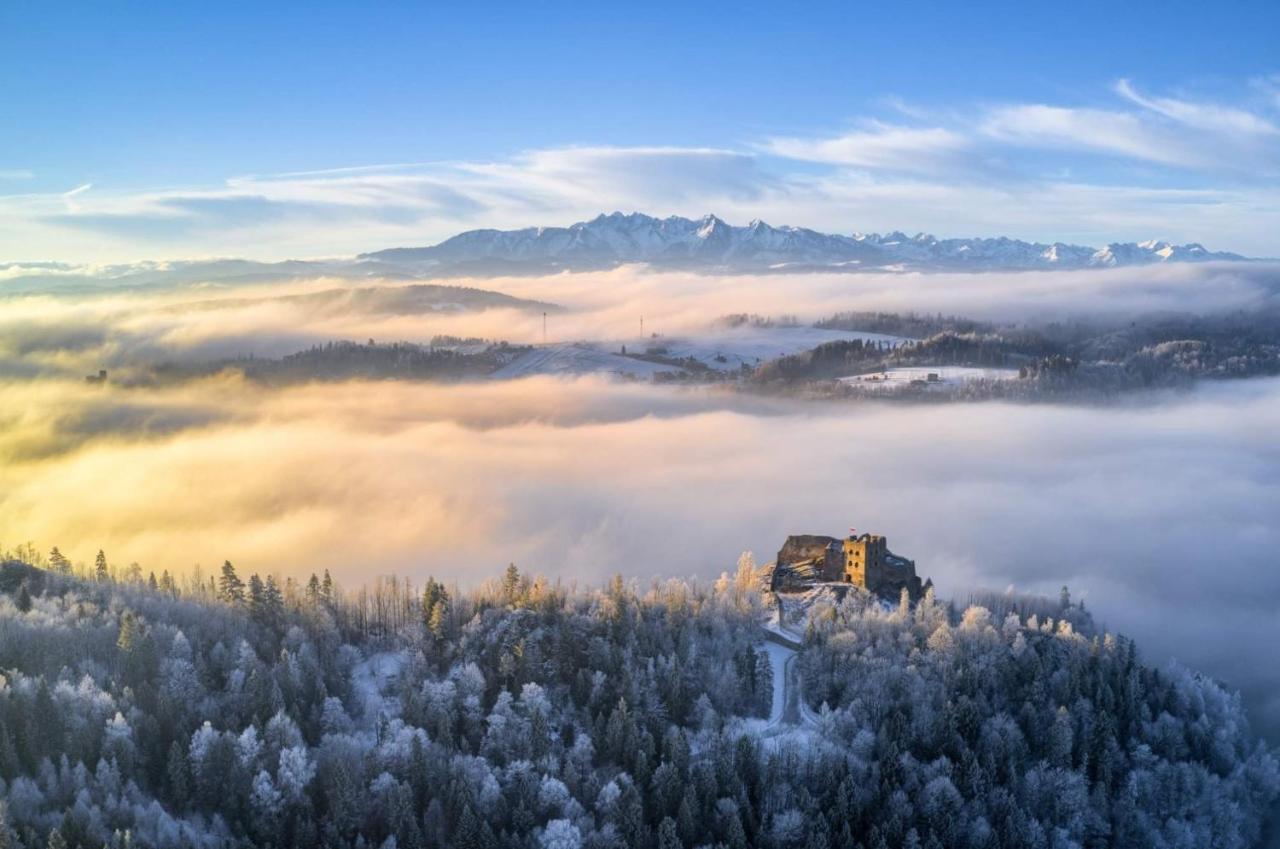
{"points": [[788, 708], [781, 659]]}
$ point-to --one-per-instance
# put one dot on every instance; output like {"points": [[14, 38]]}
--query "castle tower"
{"points": [[864, 559]]}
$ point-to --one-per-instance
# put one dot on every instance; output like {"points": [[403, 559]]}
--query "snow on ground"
{"points": [[790, 722], [774, 626], [732, 348], [370, 679], [575, 359], [780, 657], [725, 350], [946, 376]]}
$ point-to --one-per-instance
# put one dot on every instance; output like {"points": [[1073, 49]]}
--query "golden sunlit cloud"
{"points": [[583, 477]]}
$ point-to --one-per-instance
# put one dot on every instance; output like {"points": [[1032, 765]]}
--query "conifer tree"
{"points": [[58, 562], [313, 590], [230, 587], [129, 632], [178, 774], [668, 838], [511, 585], [435, 609], [272, 601], [100, 572], [257, 606]]}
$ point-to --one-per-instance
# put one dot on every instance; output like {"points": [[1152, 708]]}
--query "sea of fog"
{"points": [[1160, 511]]}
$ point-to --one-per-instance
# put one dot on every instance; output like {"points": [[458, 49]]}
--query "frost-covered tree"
{"points": [[603, 718]]}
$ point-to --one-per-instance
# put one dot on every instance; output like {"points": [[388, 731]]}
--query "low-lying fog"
{"points": [[50, 334], [1161, 510], [1162, 514]]}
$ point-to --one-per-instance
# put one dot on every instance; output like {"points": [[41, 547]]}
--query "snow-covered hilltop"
{"points": [[615, 239], [1004, 253]]}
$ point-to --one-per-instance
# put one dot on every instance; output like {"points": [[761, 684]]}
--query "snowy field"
{"points": [[946, 376], [575, 359], [726, 350], [730, 349]]}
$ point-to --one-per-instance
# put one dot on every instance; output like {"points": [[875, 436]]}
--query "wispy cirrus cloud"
{"points": [[881, 146], [1195, 136], [1188, 134], [1127, 166], [1205, 116], [1087, 131]]}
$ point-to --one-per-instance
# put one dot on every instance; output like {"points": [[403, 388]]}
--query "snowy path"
{"points": [[781, 658], [788, 708]]}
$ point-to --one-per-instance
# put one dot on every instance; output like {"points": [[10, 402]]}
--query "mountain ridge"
{"points": [[708, 243]]}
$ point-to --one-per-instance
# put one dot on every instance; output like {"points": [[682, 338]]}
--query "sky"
{"points": [[162, 131]]}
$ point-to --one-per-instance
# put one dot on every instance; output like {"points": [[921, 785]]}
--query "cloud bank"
{"points": [[78, 333], [1160, 513]]}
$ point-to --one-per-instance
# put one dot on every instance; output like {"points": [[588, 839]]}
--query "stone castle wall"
{"points": [[863, 561]]}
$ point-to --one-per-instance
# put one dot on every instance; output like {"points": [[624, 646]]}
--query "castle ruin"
{"points": [[861, 560]]}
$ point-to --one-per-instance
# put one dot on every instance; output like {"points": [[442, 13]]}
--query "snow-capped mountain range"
{"points": [[709, 243]]}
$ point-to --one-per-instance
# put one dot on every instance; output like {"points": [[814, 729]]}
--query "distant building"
{"points": [[100, 377], [861, 560]]}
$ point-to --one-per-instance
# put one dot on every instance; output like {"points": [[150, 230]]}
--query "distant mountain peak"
{"points": [[710, 243]]}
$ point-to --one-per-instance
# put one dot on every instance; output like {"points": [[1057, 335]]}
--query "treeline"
{"points": [[1053, 359], [228, 710], [828, 360], [842, 358], [910, 324], [453, 359], [754, 320]]}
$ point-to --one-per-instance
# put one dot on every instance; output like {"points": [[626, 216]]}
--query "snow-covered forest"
{"points": [[236, 710]]}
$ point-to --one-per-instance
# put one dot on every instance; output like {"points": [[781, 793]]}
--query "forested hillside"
{"points": [[235, 710], [1053, 359], [445, 359]]}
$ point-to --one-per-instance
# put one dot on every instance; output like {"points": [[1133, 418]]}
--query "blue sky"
{"points": [[172, 124]]}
